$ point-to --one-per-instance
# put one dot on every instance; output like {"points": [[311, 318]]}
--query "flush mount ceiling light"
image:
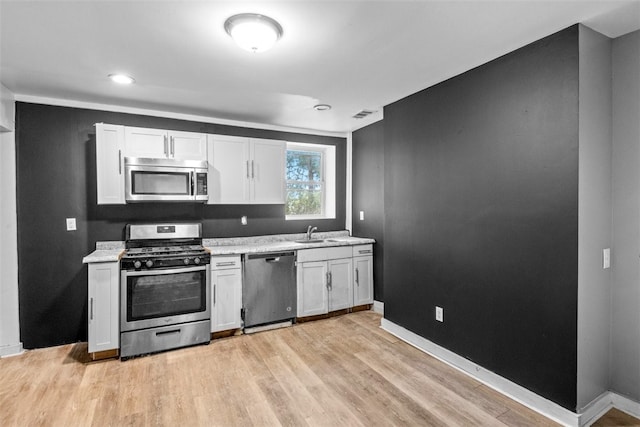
{"points": [[253, 32], [122, 79], [322, 107]]}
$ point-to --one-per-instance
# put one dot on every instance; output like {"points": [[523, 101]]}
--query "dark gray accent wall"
{"points": [[481, 215], [368, 194], [56, 179]]}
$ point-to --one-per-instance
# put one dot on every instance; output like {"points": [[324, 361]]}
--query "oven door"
{"points": [[164, 297]]}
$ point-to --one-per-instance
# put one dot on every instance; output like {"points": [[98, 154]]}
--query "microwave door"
{"points": [[159, 184]]}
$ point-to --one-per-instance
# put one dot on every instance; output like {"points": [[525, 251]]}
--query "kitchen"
{"points": [[56, 142]]}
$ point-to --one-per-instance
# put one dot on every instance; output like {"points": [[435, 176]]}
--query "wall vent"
{"points": [[363, 113]]}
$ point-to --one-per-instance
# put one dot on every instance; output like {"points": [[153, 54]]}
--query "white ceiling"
{"points": [[353, 55]]}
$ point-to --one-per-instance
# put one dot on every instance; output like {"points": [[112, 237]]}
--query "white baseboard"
{"points": [[378, 307], [514, 391], [11, 350], [600, 405], [625, 404]]}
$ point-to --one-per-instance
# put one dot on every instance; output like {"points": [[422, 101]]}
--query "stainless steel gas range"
{"points": [[165, 289]]}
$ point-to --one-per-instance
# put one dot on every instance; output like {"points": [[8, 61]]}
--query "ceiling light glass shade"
{"points": [[123, 79], [322, 107], [253, 32]]}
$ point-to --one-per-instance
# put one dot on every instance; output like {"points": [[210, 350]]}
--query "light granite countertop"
{"points": [[105, 252], [112, 251], [281, 242]]}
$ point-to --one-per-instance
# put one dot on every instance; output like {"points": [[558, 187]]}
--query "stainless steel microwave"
{"points": [[165, 180]]}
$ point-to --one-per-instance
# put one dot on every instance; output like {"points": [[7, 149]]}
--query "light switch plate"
{"points": [[439, 314], [606, 258], [243, 220], [71, 224], [361, 215]]}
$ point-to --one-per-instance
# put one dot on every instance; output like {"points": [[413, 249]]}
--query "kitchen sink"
{"points": [[312, 241]]}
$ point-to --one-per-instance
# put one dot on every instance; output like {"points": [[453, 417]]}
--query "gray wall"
{"points": [[594, 213], [625, 296], [481, 215], [368, 195]]}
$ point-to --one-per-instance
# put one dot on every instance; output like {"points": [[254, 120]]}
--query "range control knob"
{"points": [[149, 263], [137, 264], [186, 261], [196, 260]]}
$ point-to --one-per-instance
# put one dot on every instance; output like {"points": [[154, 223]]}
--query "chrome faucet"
{"points": [[310, 231]]}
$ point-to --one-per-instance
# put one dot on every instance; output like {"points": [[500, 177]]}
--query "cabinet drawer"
{"points": [[363, 250], [225, 262], [324, 254]]}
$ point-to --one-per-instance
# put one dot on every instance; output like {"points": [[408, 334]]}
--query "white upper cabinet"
{"points": [[109, 164], [246, 170], [267, 171], [188, 145], [165, 144]]}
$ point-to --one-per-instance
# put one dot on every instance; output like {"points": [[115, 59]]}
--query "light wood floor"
{"points": [[342, 371]]}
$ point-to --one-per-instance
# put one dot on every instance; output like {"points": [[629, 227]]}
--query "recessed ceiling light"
{"points": [[322, 107], [122, 79], [253, 32]]}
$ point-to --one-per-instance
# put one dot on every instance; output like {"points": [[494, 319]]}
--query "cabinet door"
{"points": [[187, 145], [103, 305], [226, 299], [363, 280], [143, 142], [267, 171], [229, 170], [340, 288], [109, 164], [312, 288]]}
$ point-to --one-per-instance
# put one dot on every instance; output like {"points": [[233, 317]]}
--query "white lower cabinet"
{"points": [[363, 275], [312, 288], [324, 282], [226, 293], [103, 306], [340, 289]]}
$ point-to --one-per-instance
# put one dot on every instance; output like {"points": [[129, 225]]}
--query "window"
{"points": [[310, 174]]}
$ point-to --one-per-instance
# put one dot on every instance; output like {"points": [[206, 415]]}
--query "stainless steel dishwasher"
{"points": [[268, 288]]}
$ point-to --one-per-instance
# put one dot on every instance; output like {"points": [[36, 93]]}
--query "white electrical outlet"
{"points": [[71, 224], [439, 314], [606, 258], [361, 215], [243, 220]]}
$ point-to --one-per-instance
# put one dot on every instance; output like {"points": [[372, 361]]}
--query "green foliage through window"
{"points": [[304, 183]]}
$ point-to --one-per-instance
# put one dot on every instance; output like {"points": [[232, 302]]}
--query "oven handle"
{"points": [[165, 271], [193, 192]]}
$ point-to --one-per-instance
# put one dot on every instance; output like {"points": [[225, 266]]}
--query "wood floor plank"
{"points": [[343, 370]]}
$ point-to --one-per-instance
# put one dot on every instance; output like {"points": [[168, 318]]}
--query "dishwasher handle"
{"points": [[270, 257]]}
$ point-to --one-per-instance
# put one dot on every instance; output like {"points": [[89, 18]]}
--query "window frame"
{"points": [[327, 178]]}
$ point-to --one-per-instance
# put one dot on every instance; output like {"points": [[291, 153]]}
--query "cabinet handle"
{"points": [[223, 264], [368, 251], [173, 147], [193, 188], [253, 175], [329, 279], [357, 278], [214, 294], [119, 162], [91, 308], [248, 176], [166, 148]]}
